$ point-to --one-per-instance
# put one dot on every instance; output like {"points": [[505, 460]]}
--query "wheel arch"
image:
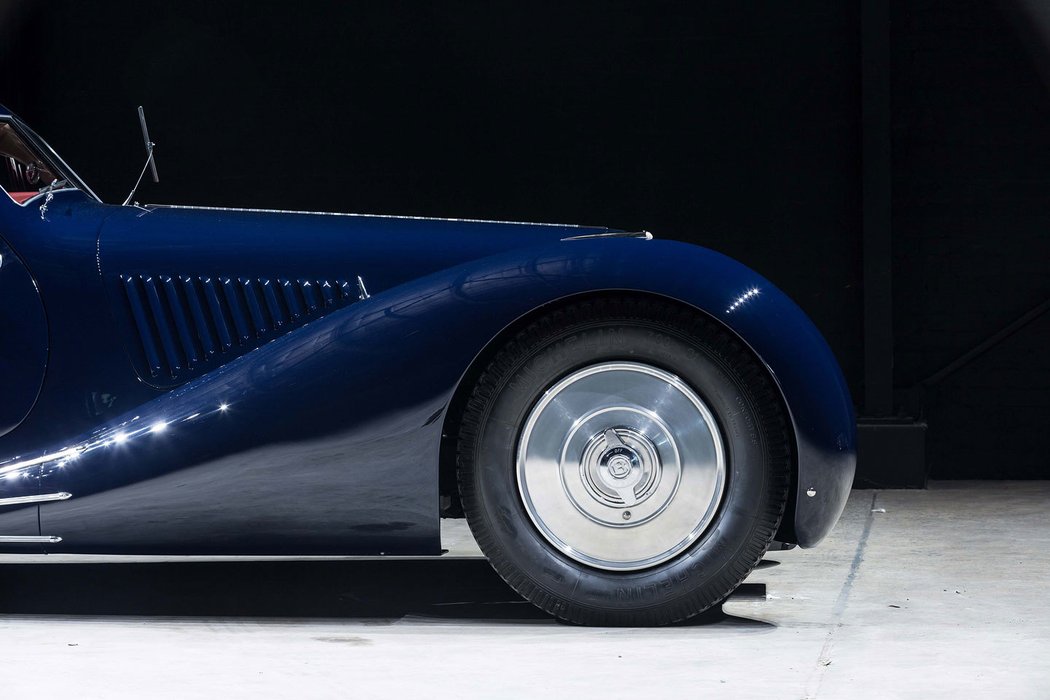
{"points": [[447, 477]]}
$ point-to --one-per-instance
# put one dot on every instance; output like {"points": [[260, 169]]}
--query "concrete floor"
{"points": [[917, 594]]}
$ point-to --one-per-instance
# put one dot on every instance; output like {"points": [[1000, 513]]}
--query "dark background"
{"points": [[737, 126]]}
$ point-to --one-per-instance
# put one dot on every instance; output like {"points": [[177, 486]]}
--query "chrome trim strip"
{"points": [[42, 498], [366, 216], [29, 539], [612, 234]]}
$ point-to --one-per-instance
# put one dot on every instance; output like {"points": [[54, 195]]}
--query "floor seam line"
{"points": [[824, 658]]}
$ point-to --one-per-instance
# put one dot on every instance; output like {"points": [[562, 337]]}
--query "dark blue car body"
{"points": [[213, 381]]}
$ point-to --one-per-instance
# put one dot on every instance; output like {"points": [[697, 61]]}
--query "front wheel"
{"points": [[624, 462]]}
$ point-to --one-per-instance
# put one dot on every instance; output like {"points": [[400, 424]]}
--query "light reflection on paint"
{"points": [[123, 434], [743, 299], [66, 453]]}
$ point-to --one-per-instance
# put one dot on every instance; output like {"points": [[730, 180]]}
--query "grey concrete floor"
{"points": [[916, 594]]}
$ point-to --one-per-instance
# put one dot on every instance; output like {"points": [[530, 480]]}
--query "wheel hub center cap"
{"points": [[618, 468]]}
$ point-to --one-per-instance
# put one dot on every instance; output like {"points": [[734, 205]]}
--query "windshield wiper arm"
{"points": [[150, 163]]}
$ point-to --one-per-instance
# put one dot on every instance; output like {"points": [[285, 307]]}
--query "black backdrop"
{"points": [[732, 125]]}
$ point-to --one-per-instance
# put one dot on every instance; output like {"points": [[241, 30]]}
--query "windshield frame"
{"points": [[53, 159]]}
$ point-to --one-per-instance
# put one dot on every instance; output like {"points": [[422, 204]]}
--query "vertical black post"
{"points": [[876, 206], [890, 451]]}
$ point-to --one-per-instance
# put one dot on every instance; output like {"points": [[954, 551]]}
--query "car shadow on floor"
{"points": [[450, 590]]}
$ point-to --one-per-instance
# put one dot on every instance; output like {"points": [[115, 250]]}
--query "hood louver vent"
{"points": [[187, 325]]}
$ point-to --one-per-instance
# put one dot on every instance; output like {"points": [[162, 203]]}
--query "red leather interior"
{"points": [[21, 197]]}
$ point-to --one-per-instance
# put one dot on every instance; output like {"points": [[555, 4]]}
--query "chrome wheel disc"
{"points": [[621, 466]]}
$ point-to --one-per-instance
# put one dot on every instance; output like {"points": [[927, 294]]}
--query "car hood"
{"points": [[386, 250]]}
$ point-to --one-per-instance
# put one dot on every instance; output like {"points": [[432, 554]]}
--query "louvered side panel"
{"points": [[180, 315], [274, 303], [136, 298], [203, 327], [183, 325], [238, 309], [212, 298], [293, 296], [163, 325], [260, 319], [347, 292], [328, 292], [311, 296]]}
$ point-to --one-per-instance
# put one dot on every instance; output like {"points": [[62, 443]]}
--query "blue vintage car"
{"points": [[627, 424]]}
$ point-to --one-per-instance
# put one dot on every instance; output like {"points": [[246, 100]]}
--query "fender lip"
{"points": [[829, 477], [817, 399]]}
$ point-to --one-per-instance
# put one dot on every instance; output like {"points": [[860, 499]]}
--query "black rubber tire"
{"points": [[745, 404]]}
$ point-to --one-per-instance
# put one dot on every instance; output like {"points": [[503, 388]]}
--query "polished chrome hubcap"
{"points": [[621, 466]]}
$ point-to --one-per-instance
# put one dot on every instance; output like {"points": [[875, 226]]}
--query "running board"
{"points": [[42, 498]]}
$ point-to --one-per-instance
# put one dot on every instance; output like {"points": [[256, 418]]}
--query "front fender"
{"points": [[763, 317]]}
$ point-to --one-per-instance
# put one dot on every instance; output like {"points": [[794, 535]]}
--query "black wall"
{"points": [[732, 125], [971, 233]]}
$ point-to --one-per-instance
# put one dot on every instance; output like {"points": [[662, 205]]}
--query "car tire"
{"points": [[624, 461]]}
